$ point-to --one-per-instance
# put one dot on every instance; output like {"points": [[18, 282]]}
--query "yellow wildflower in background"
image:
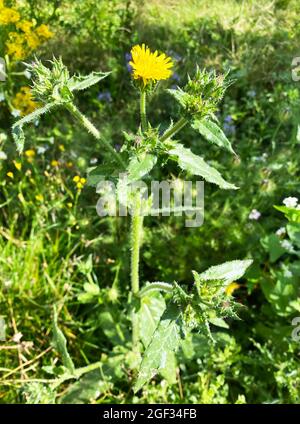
{"points": [[24, 102], [80, 181], [231, 288], [54, 163], [15, 46], [30, 153], [8, 15], [18, 165], [10, 174], [44, 31], [148, 66], [25, 38], [39, 197], [25, 26]]}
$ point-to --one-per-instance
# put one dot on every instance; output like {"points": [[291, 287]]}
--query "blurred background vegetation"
{"points": [[50, 234]]}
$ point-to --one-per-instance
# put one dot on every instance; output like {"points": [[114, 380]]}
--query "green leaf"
{"points": [[170, 368], [292, 214], [179, 95], [149, 314], [213, 133], [140, 166], [293, 230], [194, 164], [102, 172], [83, 82], [272, 245], [87, 389], [17, 128], [165, 339], [226, 272], [112, 328], [60, 344], [218, 322]]}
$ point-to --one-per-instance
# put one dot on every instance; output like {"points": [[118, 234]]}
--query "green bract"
{"points": [[201, 95]]}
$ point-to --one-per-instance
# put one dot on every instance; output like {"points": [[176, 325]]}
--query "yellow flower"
{"points": [[30, 153], [10, 174], [24, 102], [54, 163], [149, 66], [25, 26], [69, 204], [44, 31], [82, 180], [8, 15], [79, 186], [32, 40], [15, 46], [18, 165], [231, 288], [76, 179], [39, 197]]}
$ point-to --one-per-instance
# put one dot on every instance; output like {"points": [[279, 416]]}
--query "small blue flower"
{"points": [[229, 128], [176, 77], [105, 96], [228, 118], [128, 58], [118, 147]]}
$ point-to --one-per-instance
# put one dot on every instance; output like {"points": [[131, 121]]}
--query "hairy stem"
{"points": [[86, 123], [143, 110], [136, 234], [174, 129]]}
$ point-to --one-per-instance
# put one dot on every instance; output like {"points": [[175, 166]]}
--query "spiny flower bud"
{"points": [[202, 94], [50, 84]]}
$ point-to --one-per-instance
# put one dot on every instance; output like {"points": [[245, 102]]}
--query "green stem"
{"points": [[143, 110], [174, 129], [84, 121], [136, 234]]}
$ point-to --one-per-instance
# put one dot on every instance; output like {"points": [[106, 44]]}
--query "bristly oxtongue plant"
{"points": [[157, 332]]}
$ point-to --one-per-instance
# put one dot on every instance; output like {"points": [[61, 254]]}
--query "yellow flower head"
{"points": [[39, 197], [8, 15], [54, 163], [44, 31], [147, 66], [30, 153], [24, 102], [18, 165], [231, 288], [25, 26]]}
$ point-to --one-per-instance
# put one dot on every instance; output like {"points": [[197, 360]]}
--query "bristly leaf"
{"points": [[226, 272], [83, 82], [17, 128], [60, 344], [165, 340], [212, 133], [149, 314], [194, 164], [140, 166]]}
